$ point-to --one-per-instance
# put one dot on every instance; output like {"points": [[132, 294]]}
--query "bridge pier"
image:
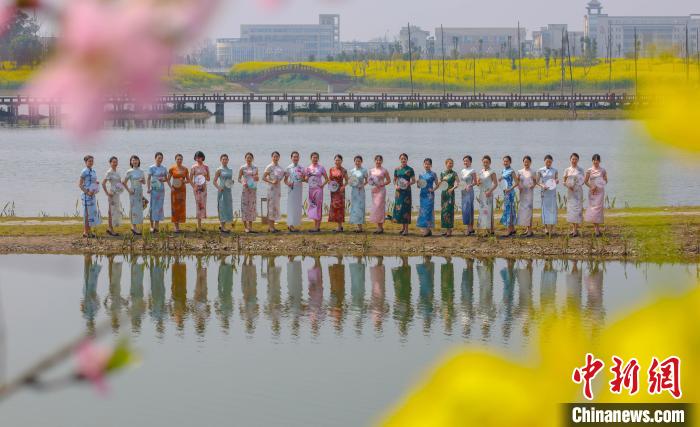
{"points": [[335, 107], [358, 106], [33, 111], [219, 109], [290, 108], [269, 111], [313, 106], [54, 113], [379, 106], [246, 112]]}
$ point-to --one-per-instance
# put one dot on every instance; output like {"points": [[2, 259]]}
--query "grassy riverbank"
{"points": [[656, 235]]}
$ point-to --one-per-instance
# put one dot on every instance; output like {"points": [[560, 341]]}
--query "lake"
{"points": [[266, 341], [42, 165]]}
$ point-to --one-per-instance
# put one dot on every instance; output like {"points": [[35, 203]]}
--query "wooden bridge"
{"points": [[336, 82], [21, 106]]}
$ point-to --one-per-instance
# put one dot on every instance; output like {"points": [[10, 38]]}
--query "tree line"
{"points": [[20, 43]]}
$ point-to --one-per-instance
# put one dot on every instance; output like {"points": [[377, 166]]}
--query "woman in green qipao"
{"points": [[404, 178], [223, 181], [447, 198]]}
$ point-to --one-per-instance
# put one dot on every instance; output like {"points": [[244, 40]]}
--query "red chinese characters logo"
{"points": [[663, 376], [587, 373], [626, 376]]}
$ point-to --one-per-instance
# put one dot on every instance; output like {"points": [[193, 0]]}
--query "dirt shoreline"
{"points": [[612, 246], [637, 234]]}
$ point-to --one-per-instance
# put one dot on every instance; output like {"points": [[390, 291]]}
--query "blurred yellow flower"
{"points": [[673, 119], [482, 389]]}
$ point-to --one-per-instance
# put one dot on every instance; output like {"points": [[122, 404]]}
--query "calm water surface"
{"points": [[41, 165], [288, 341]]}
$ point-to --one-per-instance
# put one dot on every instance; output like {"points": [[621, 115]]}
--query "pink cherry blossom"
{"points": [[270, 5], [115, 49], [6, 14], [92, 361]]}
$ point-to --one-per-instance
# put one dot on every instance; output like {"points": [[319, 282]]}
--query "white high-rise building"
{"points": [[614, 35], [274, 42]]}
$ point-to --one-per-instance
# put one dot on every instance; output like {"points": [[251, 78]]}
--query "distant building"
{"points": [[419, 39], [372, 47], [290, 42], [48, 43], [614, 35], [549, 40], [483, 41]]}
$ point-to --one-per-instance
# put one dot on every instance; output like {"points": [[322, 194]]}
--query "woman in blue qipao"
{"points": [[359, 176], [426, 214], [547, 179], [89, 186], [157, 176], [510, 180], [469, 178]]}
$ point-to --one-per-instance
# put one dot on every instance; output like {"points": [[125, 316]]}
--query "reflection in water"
{"points": [[548, 289], [336, 306], [114, 302], [273, 307], [156, 306], [525, 309], [224, 306], [249, 285], [378, 305], [357, 294], [447, 294], [486, 309], [138, 307], [403, 309], [594, 310], [426, 286], [315, 277], [467, 298], [200, 307], [491, 307], [294, 307], [178, 304], [508, 278], [90, 304]]}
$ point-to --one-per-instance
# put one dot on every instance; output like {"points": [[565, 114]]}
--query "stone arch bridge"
{"points": [[337, 83]]}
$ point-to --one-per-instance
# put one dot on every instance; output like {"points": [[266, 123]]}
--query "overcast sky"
{"points": [[365, 19]]}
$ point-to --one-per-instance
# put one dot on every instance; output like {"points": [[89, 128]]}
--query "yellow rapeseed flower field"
{"points": [[502, 75], [192, 77], [13, 78]]}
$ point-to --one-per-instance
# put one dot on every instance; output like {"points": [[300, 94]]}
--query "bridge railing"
{"points": [[353, 97]]}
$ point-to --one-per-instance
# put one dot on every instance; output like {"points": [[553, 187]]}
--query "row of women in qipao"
{"points": [[488, 181], [294, 176]]}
